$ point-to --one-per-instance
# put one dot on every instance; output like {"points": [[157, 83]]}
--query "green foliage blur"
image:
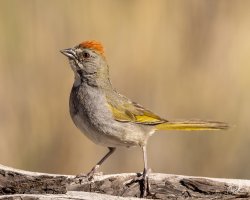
{"points": [[180, 59]]}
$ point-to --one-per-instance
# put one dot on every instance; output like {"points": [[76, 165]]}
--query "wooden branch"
{"points": [[18, 184]]}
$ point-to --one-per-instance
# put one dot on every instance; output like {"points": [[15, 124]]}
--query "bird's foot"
{"points": [[143, 181], [93, 171], [144, 184], [89, 176]]}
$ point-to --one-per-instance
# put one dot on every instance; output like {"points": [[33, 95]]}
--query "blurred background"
{"points": [[181, 59]]}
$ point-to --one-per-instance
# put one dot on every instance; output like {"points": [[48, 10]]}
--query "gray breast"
{"points": [[90, 113]]}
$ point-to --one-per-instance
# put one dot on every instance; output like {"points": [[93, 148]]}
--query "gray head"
{"points": [[87, 61]]}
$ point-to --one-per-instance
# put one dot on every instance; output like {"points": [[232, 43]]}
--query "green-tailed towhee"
{"points": [[109, 118]]}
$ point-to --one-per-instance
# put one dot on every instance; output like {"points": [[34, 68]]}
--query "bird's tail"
{"points": [[192, 125]]}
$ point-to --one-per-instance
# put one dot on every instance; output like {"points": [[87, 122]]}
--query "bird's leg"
{"points": [[95, 168], [145, 183]]}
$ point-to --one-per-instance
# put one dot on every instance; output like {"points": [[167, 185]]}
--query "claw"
{"points": [[91, 174], [93, 171], [144, 186], [143, 181]]}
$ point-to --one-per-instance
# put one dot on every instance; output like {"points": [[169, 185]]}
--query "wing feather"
{"points": [[127, 111]]}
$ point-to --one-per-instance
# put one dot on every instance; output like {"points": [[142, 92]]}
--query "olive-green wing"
{"points": [[124, 110], [132, 112]]}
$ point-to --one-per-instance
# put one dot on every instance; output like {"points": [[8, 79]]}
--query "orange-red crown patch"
{"points": [[92, 44]]}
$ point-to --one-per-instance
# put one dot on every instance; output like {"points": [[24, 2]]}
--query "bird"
{"points": [[109, 118]]}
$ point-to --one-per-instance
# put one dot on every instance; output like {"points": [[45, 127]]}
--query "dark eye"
{"points": [[85, 55]]}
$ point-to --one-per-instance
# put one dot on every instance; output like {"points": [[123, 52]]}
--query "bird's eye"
{"points": [[86, 55]]}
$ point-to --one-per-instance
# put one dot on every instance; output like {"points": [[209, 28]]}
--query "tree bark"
{"points": [[18, 184]]}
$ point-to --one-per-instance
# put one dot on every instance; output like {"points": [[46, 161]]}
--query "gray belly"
{"points": [[111, 135]]}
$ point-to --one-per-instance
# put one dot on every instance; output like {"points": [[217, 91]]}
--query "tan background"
{"points": [[181, 59]]}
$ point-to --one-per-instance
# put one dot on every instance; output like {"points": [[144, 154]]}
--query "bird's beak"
{"points": [[70, 53]]}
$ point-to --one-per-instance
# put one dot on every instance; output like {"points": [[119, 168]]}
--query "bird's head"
{"points": [[87, 60]]}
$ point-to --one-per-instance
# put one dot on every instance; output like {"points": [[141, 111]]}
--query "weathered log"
{"points": [[18, 184]]}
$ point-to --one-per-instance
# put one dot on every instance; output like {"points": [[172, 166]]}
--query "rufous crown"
{"points": [[94, 45]]}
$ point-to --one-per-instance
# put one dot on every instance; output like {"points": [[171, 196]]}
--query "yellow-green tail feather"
{"points": [[192, 125]]}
